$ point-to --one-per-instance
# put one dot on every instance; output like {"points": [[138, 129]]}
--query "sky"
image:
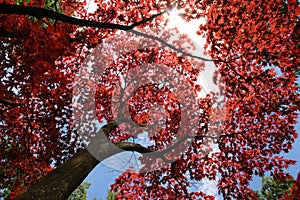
{"points": [[103, 176]]}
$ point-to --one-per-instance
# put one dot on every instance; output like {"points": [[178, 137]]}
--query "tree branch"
{"points": [[129, 146], [10, 103], [170, 46], [44, 13]]}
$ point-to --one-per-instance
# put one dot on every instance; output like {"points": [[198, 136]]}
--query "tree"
{"points": [[273, 189], [81, 192], [294, 191], [249, 41], [110, 195]]}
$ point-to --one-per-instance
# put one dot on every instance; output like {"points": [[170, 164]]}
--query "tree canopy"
{"points": [[46, 44]]}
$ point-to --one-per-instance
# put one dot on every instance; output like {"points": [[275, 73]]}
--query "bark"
{"points": [[62, 181]]}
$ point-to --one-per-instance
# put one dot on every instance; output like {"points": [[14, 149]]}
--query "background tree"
{"points": [[294, 191], [81, 192], [250, 42], [110, 195], [273, 189]]}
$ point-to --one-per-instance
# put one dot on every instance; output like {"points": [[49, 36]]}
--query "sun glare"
{"points": [[189, 28], [173, 18]]}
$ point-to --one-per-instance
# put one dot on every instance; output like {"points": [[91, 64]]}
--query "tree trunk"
{"points": [[62, 181]]}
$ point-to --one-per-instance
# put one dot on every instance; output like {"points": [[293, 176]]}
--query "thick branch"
{"points": [[128, 146], [44, 13]]}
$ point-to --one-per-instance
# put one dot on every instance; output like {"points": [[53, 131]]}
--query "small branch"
{"points": [[10, 103], [171, 46]]}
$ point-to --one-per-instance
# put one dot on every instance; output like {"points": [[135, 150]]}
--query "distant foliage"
{"points": [[294, 191], [273, 189], [110, 195], [80, 193]]}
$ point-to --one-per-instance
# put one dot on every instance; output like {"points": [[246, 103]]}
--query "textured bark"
{"points": [[62, 181]]}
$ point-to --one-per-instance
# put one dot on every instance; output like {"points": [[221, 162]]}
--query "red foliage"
{"points": [[254, 45]]}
